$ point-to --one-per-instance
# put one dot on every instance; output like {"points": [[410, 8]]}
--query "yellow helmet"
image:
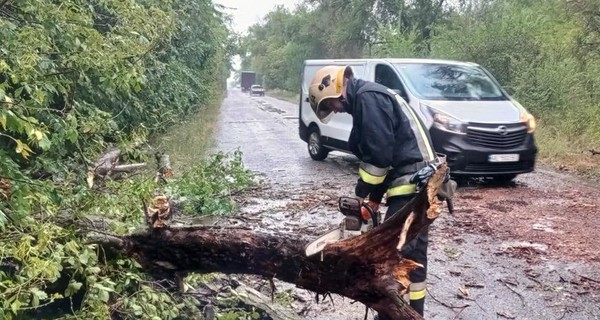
{"points": [[327, 84]]}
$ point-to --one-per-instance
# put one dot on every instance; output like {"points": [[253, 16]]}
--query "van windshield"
{"points": [[449, 82]]}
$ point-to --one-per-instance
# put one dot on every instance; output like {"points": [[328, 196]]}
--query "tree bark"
{"points": [[367, 268], [107, 162]]}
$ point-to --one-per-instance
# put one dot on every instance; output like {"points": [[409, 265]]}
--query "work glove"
{"points": [[421, 177]]}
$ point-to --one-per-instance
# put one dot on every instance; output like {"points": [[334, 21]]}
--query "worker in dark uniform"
{"points": [[392, 144]]}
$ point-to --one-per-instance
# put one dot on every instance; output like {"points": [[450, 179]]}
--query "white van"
{"points": [[471, 119]]}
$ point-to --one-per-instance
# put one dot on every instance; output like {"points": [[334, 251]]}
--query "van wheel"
{"points": [[315, 147]]}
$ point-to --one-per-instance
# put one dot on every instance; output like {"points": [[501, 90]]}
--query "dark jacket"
{"points": [[387, 135]]}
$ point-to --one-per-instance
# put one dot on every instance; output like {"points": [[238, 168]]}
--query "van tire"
{"points": [[316, 150]]}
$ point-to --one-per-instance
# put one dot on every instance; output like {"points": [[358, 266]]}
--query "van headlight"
{"points": [[529, 120], [447, 123]]}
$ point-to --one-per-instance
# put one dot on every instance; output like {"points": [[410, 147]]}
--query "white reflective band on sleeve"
{"points": [[373, 170], [417, 286], [372, 174]]}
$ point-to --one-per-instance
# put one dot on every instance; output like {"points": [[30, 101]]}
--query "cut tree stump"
{"points": [[367, 268]]}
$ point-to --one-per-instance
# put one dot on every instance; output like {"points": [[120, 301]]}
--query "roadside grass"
{"points": [[203, 178], [188, 143], [563, 152], [284, 95]]}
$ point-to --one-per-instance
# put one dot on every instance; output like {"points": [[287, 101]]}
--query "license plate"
{"points": [[509, 157]]}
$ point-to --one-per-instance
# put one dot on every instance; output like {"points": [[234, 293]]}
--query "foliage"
{"points": [[321, 29], [397, 44], [206, 189], [59, 273], [76, 77], [278, 48]]}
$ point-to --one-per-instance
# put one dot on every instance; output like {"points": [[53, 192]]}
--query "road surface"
{"points": [[523, 250]]}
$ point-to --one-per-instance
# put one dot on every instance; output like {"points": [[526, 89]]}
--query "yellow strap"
{"points": [[370, 179], [402, 190], [423, 135], [339, 80], [417, 295]]}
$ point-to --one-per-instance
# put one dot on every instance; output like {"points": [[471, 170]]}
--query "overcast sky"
{"points": [[248, 12]]}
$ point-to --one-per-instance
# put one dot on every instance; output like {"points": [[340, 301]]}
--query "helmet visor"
{"points": [[325, 110]]}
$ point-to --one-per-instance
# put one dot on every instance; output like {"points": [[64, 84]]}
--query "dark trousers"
{"points": [[415, 250]]}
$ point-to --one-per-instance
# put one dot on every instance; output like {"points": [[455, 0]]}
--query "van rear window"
{"points": [[449, 82]]}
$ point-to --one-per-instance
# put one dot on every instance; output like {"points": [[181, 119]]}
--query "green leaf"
{"points": [[103, 296], [103, 288], [15, 306], [45, 143], [18, 92], [72, 135], [73, 287], [37, 295], [93, 270], [137, 310], [84, 257], [40, 96]]}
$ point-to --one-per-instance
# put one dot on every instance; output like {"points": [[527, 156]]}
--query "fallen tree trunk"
{"points": [[107, 162], [366, 268]]}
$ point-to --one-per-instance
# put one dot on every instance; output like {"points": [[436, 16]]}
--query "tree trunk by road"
{"points": [[367, 268]]}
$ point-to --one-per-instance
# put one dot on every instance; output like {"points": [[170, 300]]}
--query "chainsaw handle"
{"points": [[372, 213]]}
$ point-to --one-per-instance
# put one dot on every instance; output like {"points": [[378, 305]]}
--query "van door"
{"points": [[387, 75]]}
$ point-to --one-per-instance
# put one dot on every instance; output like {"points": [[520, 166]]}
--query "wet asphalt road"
{"points": [[266, 131], [484, 263]]}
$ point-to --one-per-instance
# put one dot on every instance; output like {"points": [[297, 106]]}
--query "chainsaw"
{"points": [[353, 224]]}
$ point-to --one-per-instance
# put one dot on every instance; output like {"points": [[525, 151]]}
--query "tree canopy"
{"points": [[76, 77]]}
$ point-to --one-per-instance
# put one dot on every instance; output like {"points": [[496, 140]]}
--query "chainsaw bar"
{"points": [[319, 244]]}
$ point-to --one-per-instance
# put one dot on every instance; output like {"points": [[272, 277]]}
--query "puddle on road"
{"points": [[265, 106], [290, 215], [255, 206], [524, 245]]}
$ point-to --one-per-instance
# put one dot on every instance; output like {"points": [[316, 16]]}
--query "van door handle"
{"points": [[306, 99]]}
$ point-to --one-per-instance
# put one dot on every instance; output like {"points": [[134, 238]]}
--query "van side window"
{"points": [[387, 77]]}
